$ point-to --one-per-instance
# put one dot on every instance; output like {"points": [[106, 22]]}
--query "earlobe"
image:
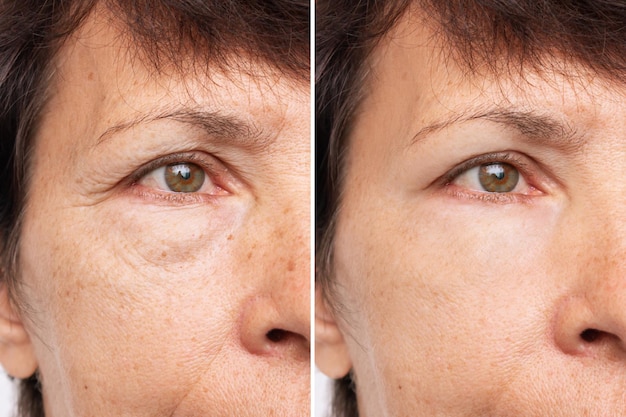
{"points": [[331, 352], [16, 351]]}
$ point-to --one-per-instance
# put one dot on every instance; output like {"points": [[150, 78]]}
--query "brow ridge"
{"points": [[532, 125], [235, 130]]}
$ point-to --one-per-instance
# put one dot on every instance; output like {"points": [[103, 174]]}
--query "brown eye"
{"points": [[183, 180], [184, 177], [498, 177]]}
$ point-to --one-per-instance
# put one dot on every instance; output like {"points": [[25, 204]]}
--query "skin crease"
{"points": [[147, 304], [459, 303]]}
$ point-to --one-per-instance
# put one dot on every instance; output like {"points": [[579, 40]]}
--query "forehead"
{"points": [[415, 69], [112, 80]]}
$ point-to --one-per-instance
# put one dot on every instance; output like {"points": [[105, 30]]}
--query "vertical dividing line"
{"points": [[312, 198]]}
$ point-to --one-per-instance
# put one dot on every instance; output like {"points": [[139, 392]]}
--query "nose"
{"points": [[275, 320], [591, 318], [590, 327], [276, 327]]}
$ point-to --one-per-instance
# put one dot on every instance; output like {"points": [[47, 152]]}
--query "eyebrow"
{"points": [[236, 131], [532, 125]]}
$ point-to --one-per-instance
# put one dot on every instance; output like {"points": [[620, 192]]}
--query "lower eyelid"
{"points": [[494, 198], [170, 198]]}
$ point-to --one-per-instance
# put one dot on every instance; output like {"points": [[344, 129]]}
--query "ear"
{"points": [[331, 352], [16, 352]]}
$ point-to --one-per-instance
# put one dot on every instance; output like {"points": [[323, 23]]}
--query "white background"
{"points": [[7, 399], [322, 394]]}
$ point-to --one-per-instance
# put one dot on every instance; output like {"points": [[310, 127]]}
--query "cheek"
{"points": [[439, 295], [127, 293]]}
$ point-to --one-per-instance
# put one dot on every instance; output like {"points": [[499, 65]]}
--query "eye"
{"points": [[180, 177], [494, 175]]}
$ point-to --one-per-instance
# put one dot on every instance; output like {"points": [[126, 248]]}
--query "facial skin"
{"points": [[459, 302], [145, 302]]}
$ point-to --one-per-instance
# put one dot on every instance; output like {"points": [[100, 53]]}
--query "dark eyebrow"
{"points": [[532, 125], [236, 131]]}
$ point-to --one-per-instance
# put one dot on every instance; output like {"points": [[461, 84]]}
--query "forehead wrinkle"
{"points": [[237, 131], [537, 127]]}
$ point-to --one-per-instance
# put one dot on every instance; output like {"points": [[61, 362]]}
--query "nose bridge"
{"points": [[604, 241], [290, 287], [287, 246], [288, 275], [606, 278], [605, 209]]}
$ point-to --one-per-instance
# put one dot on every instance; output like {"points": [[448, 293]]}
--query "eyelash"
{"points": [[209, 164], [518, 162]]}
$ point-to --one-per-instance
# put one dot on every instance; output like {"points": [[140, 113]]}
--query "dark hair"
{"points": [[498, 35], [274, 33]]}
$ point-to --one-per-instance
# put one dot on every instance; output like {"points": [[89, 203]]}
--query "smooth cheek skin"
{"points": [[148, 307], [453, 305]]}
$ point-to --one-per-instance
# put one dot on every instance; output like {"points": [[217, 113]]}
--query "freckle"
{"points": [[291, 265], [163, 254], [86, 387], [399, 386], [90, 77], [249, 255], [230, 237]]}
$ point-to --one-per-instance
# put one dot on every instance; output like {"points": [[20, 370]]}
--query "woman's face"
{"points": [[165, 248], [481, 242]]}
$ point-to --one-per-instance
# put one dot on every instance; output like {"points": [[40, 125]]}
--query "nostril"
{"points": [[286, 337], [590, 335], [286, 341], [276, 335]]}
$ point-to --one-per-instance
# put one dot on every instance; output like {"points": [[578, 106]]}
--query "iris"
{"points": [[498, 177], [184, 177]]}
